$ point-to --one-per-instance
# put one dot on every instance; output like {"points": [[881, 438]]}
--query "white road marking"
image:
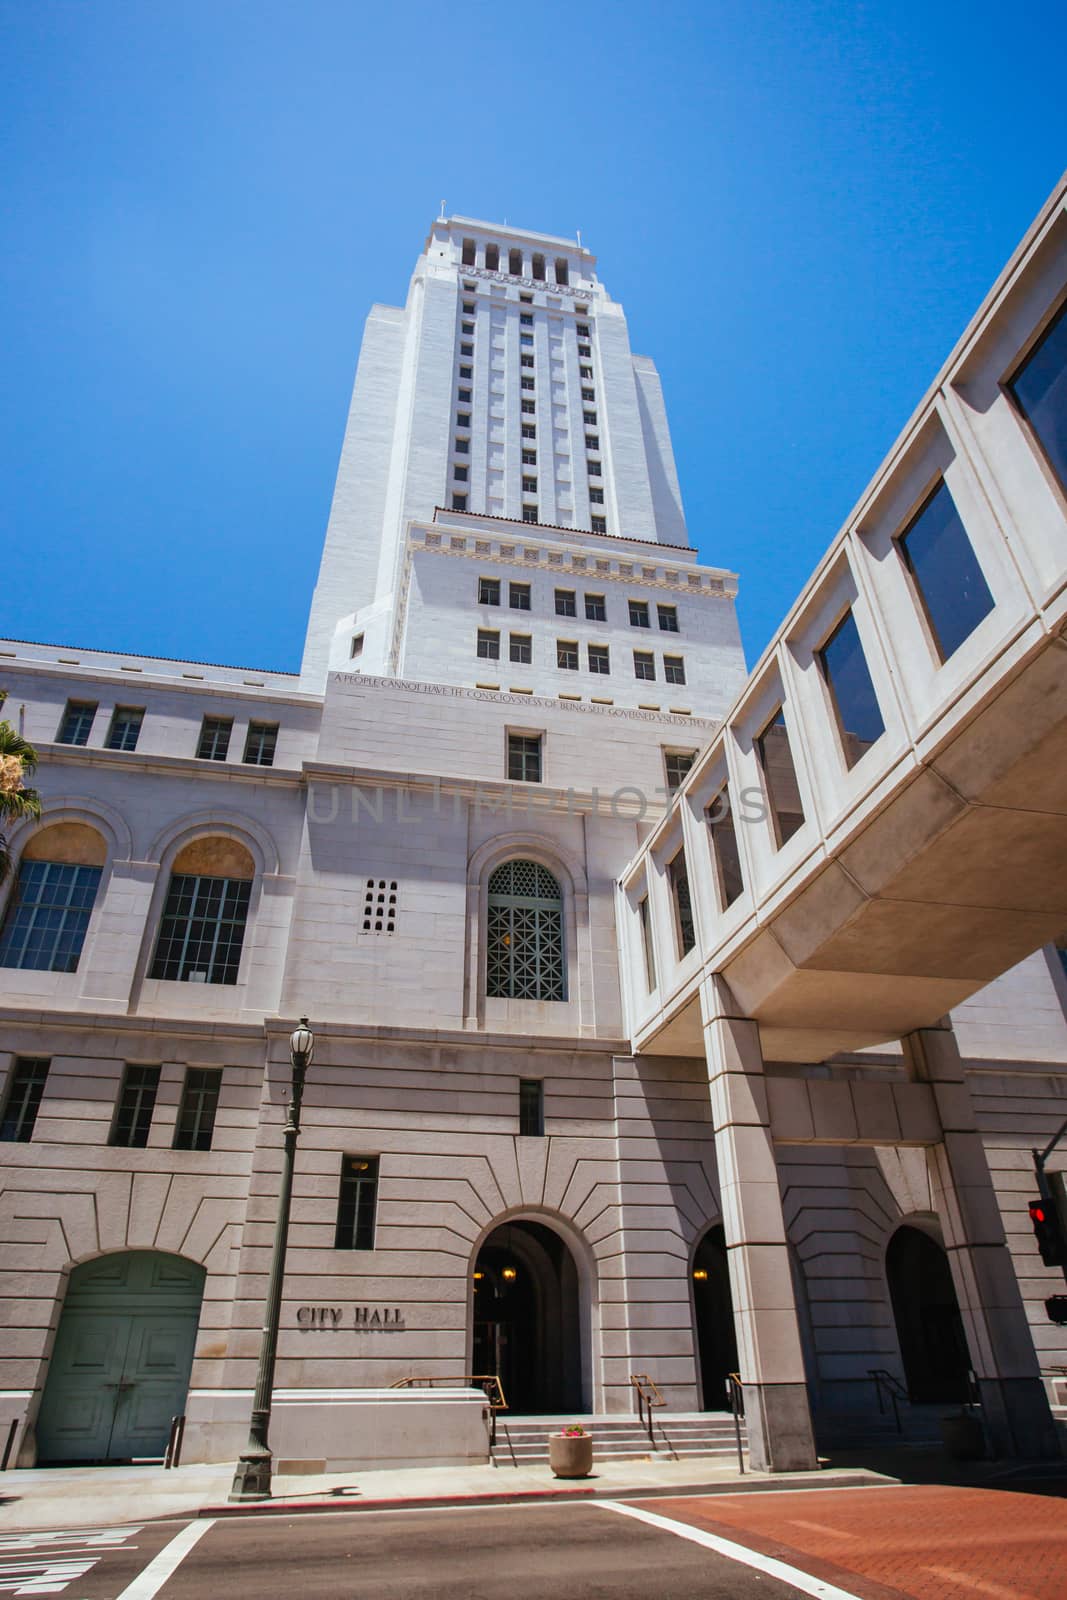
{"points": [[77, 1538], [43, 1576], [803, 1581], [52, 1560], [159, 1569]]}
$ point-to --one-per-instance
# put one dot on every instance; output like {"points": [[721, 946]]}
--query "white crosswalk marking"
{"points": [[48, 1562]]}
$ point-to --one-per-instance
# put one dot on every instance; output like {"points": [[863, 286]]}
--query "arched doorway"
{"points": [[933, 1345], [120, 1367], [527, 1322], [714, 1310]]}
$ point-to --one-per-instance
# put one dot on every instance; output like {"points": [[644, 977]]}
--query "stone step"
{"points": [[524, 1441]]}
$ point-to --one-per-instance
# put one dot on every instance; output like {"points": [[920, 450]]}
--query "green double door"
{"points": [[120, 1367]]}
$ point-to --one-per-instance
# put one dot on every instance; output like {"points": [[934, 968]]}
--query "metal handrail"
{"points": [[648, 1395], [489, 1381], [173, 1456], [735, 1395], [888, 1383]]}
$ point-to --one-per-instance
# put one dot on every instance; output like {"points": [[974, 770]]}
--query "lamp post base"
{"points": [[251, 1479]]}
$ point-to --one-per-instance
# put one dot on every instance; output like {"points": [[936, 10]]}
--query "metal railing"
{"points": [[489, 1381], [648, 1396], [886, 1384], [735, 1397]]}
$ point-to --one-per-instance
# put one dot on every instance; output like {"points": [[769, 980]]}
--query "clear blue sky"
{"points": [[799, 204]]}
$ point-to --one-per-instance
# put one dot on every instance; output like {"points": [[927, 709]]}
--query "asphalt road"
{"points": [[506, 1553]]}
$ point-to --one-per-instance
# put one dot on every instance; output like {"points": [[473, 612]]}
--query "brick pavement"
{"points": [[928, 1542]]}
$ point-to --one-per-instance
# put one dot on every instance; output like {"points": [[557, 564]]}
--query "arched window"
{"points": [[561, 269], [525, 934], [539, 267], [468, 252], [53, 897], [515, 263], [202, 929], [492, 258]]}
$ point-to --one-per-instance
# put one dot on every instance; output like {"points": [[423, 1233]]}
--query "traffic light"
{"points": [[1056, 1308], [1048, 1232]]}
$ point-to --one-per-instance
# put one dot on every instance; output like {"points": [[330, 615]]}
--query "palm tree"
{"points": [[18, 761]]}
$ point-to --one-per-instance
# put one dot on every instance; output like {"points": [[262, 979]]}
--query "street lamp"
{"points": [[251, 1480]]}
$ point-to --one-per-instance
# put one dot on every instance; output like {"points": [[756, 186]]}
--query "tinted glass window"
{"points": [[724, 847], [1040, 391], [939, 556], [780, 779], [844, 666]]}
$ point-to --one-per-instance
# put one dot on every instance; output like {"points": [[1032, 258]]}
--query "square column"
{"points": [[780, 1436], [1001, 1346]]}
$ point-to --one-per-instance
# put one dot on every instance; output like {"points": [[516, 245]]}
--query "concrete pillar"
{"points": [[778, 1415], [1013, 1396]]}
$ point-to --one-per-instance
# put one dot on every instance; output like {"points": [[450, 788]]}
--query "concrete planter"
{"points": [[963, 1437], [570, 1457]]}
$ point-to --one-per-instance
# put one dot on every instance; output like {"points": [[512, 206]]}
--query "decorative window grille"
{"points": [[202, 929], [23, 1099], [525, 934], [196, 1115], [48, 916], [379, 906]]}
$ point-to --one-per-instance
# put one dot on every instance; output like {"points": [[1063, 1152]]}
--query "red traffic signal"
{"points": [[1048, 1233]]}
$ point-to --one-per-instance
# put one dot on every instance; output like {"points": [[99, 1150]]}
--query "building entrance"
{"points": [[123, 1352], [714, 1309], [527, 1325], [933, 1345]]}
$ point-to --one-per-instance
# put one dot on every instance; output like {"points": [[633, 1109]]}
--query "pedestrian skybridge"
{"points": [[879, 828]]}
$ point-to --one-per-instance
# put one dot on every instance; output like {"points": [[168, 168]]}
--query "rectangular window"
{"points": [[529, 407], [529, 431], [137, 1101], [668, 618], [529, 485], [48, 916], [463, 396], [357, 1203], [460, 473], [592, 441], [520, 646], [566, 603], [582, 330], [467, 327], [524, 758], [647, 948], [529, 458], [1039, 389], [202, 929], [593, 469], [488, 644], [780, 779], [599, 659], [468, 252], [519, 596], [459, 502], [77, 721], [724, 848], [125, 728], [526, 383], [599, 524], [261, 743], [526, 338], [214, 738], [488, 591], [468, 308], [674, 669], [639, 614], [23, 1099], [844, 667], [531, 1108], [463, 447], [567, 654], [585, 350], [685, 928], [199, 1103], [678, 764], [526, 319], [596, 497], [949, 582], [529, 513], [590, 417], [466, 349], [586, 372], [644, 665], [356, 649], [588, 394], [526, 361], [466, 372], [463, 419], [526, 299], [595, 608]]}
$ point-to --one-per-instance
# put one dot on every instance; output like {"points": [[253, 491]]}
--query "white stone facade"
{"points": [[370, 842]]}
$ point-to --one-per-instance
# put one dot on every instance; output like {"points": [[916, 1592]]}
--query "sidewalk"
{"points": [[89, 1497]]}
